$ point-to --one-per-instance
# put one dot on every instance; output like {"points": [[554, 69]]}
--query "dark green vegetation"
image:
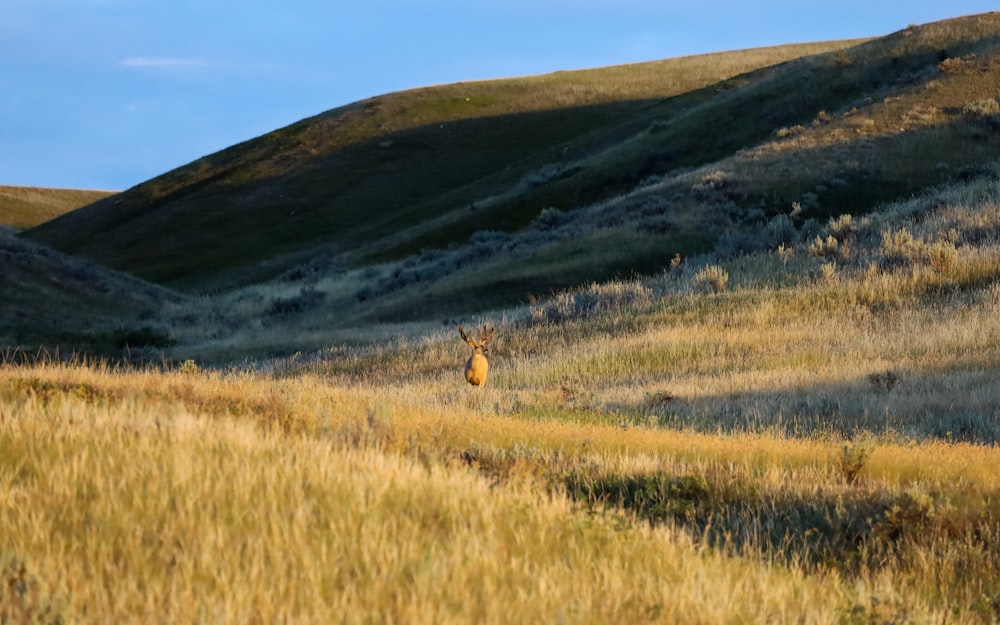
{"points": [[451, 200], [50, 301]]}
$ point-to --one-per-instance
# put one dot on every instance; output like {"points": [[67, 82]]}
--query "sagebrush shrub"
{"points": [[899, 247], [942, 256], [852, 459], [830, 247], [713, 278], [829, 271]]}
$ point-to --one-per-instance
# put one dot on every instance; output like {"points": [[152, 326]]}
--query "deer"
{"points": [[477, 365]]}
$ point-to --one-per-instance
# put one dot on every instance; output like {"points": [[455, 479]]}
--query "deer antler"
{"points": [[484, 335]]}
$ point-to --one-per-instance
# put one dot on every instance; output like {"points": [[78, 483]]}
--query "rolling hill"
{"points": [[357, 178], [448, 200]]}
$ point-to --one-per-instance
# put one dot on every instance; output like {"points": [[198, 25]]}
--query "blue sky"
{"points": [[108, 93]]}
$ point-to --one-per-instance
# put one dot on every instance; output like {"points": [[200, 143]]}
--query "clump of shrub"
{"points": [[985, 112], [789, 131], [829, 247], [711, 183], [828, 271], [842, 227], [942, 256], [901, 249], [550, 218], [952, 63], [885, 380], [852, 459], [785, 253], [779, 230], [836, 245], [711, 278], [982, 108]]}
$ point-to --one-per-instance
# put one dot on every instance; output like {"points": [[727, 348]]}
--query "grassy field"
{"points": [[803, 434]]}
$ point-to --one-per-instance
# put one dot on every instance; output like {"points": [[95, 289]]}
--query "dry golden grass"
{"points": [[165, 497], [794, 448], [143, 510]]}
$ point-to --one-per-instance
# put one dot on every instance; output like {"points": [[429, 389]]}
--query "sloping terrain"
{"points": [[24, 207], [49, 300], [447, 201], [359, 178]]}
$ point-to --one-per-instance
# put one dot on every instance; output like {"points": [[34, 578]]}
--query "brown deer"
{"points": [[477, 366]]}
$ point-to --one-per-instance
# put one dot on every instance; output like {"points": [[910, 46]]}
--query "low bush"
{"points": [[711, 278]]}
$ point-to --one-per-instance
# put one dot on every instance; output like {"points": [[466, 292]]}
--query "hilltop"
{"points": [[25, 207]]}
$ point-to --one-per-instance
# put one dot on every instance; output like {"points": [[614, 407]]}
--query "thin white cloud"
{"points": [[181, 63], [145, 62]]}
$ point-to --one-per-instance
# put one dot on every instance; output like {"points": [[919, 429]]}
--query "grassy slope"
{"points": [[26, 207], [818, 439], [342, 196], [383, 179], [53, 301], [845, 133], [359, 174]]}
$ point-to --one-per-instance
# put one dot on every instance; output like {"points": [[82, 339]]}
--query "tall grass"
{"points": [[158, 497], [144, 510]]}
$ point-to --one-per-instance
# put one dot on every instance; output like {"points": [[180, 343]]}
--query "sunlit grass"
{"points": [[145, 510], [24, 207], [167, 496]]}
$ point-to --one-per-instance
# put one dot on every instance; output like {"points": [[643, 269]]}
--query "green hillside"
{"points": [[25, 207], [371, 178], [444, 201]]}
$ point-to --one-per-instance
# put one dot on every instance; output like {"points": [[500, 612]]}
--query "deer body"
{"points": [[477, 366], [476, 369]]}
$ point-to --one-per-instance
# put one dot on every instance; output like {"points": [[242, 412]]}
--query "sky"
{"points": [[105, 94]]}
